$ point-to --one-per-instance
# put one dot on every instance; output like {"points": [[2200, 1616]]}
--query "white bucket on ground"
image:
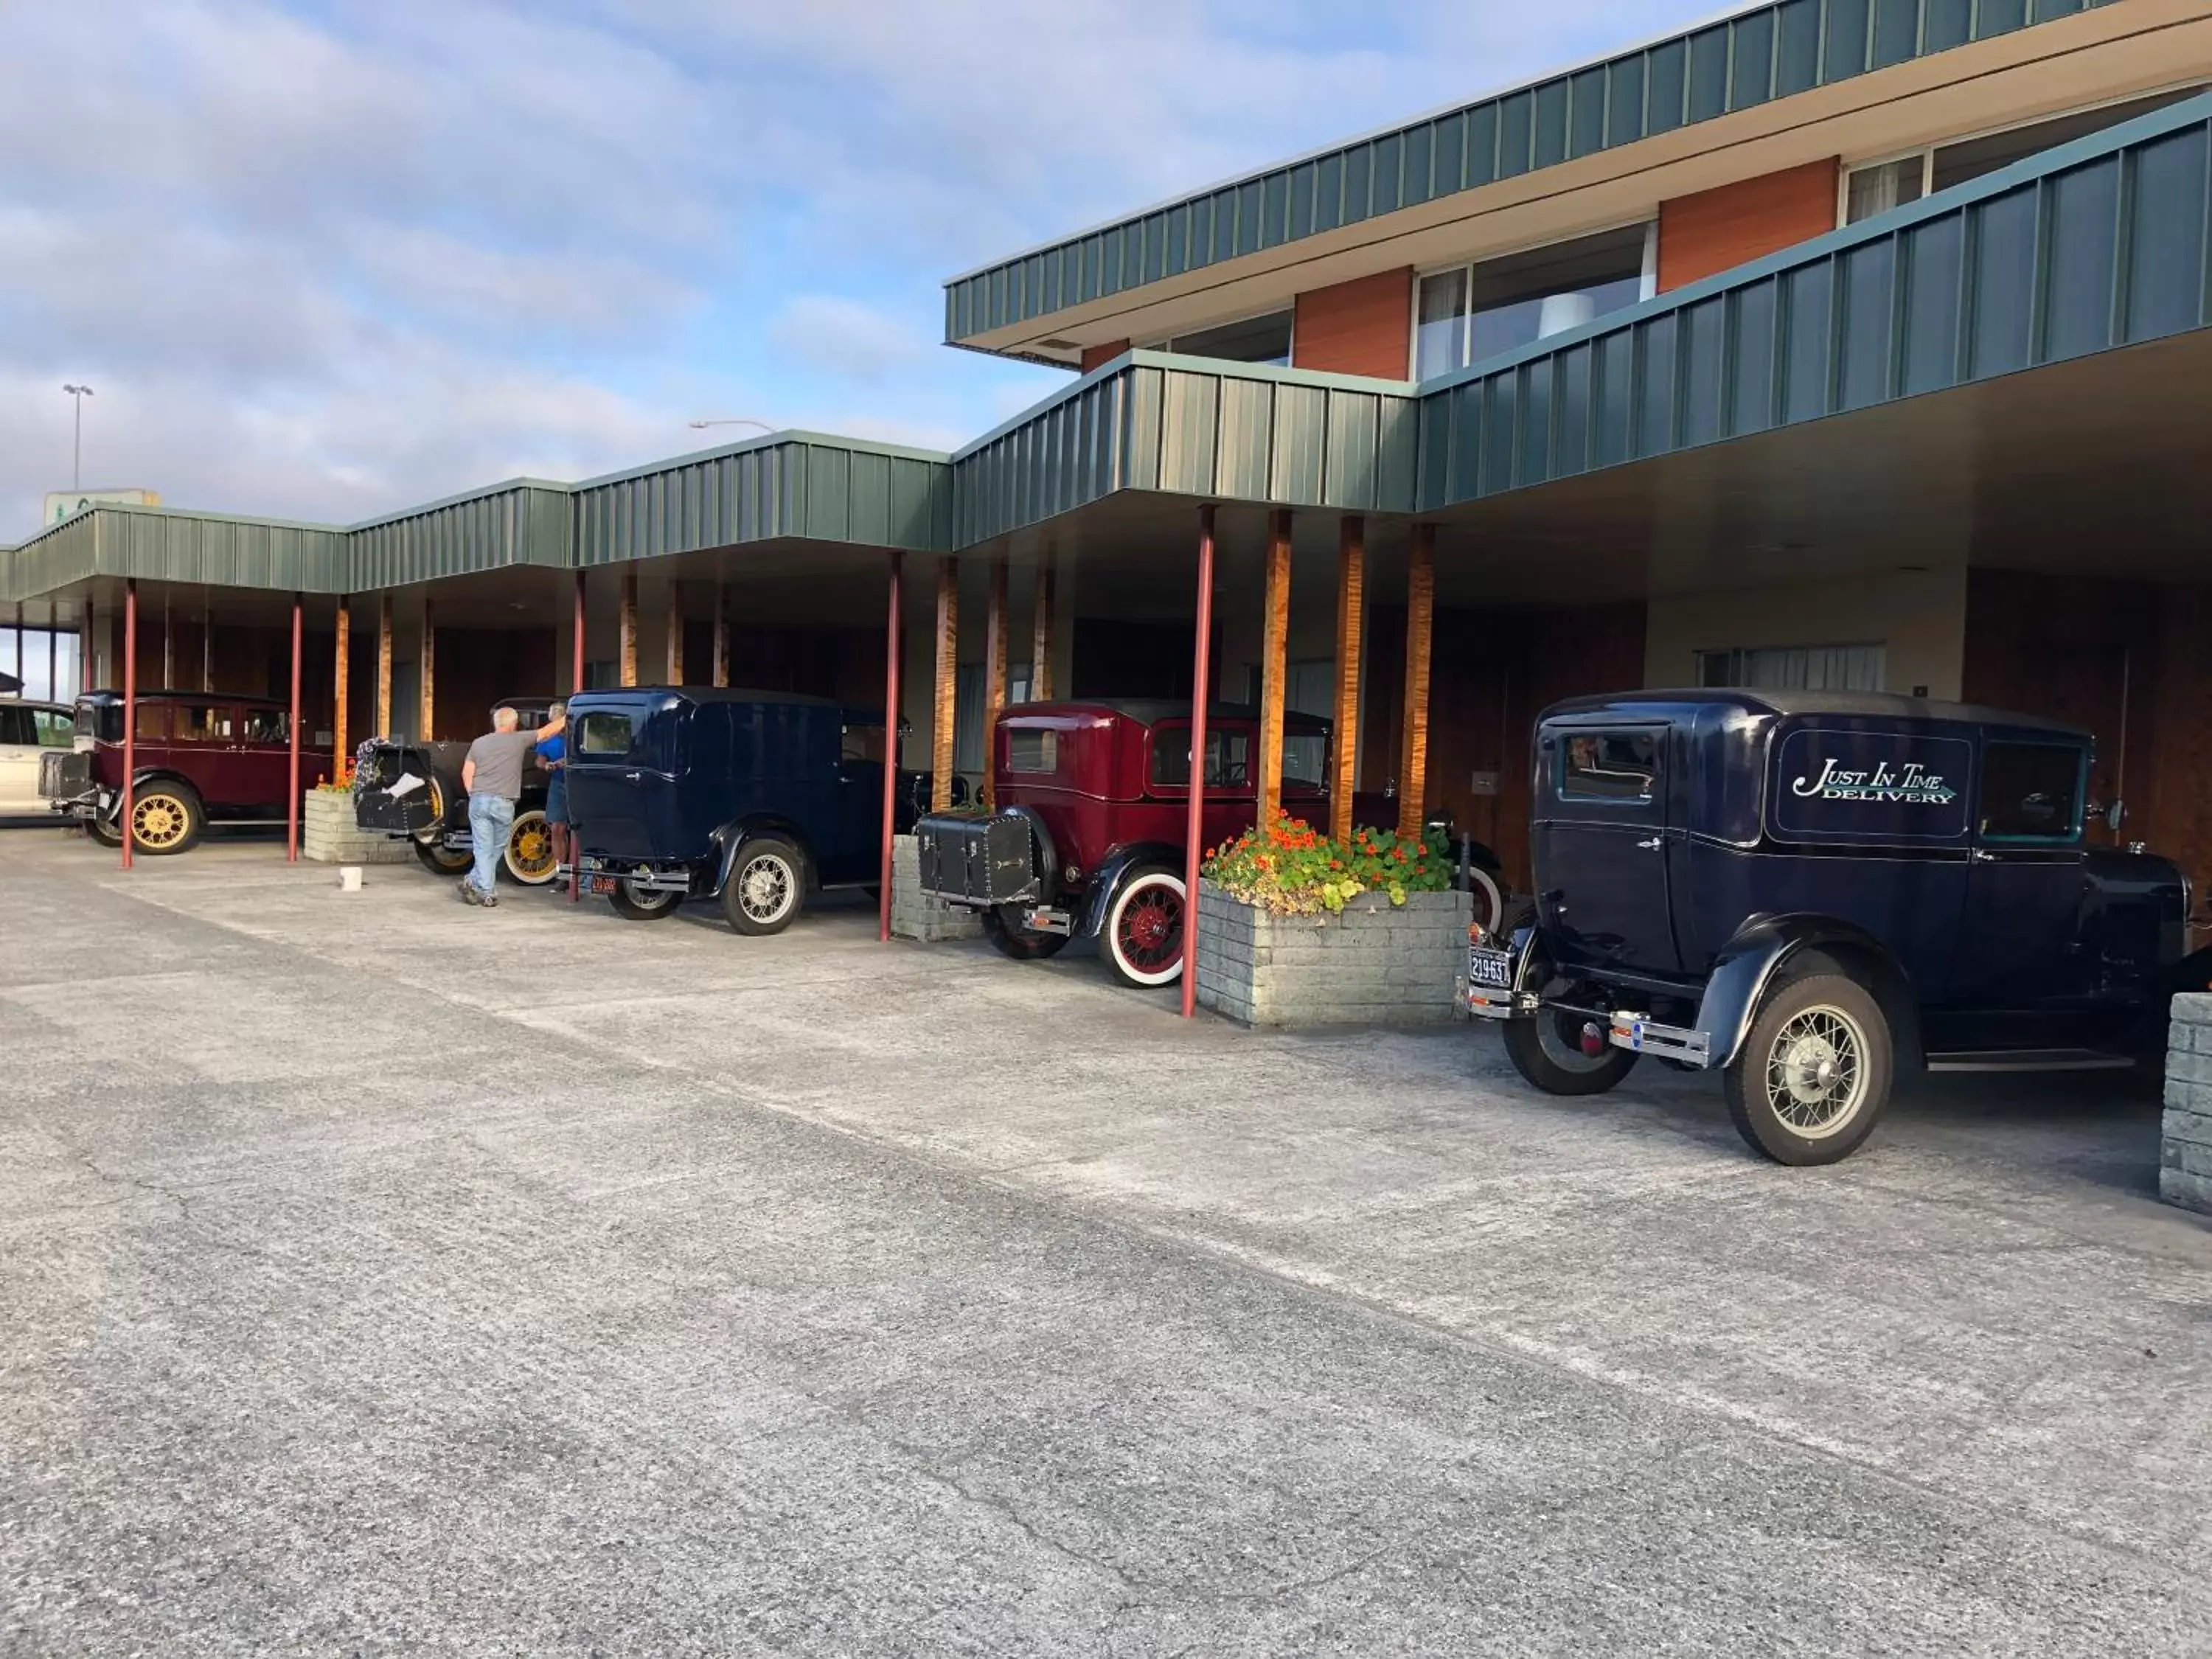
{"points": [[349, 879]]}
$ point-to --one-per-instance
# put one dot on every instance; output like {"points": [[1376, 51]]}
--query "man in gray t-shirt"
{"points": [[492, 775]]}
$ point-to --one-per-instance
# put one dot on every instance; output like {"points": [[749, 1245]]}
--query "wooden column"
{"points": [[384, 665], [628, 664], [341, 672], [944, 713], [427, 715], [207, 641], [1274, 667], [1040, 619], [1421, 616], [86, 667], [721, 634], [995, 672], [675, 663], [1351, 600]]}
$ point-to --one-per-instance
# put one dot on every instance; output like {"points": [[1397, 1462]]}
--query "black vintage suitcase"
{"points": [[971, 861]]}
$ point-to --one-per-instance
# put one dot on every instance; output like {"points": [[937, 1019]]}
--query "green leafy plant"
{"points": [[1293, 869]]}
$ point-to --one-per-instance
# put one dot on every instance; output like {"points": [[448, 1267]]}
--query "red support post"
{"points": [[130, 709], [292, 796], [575, 685], [1201, 674], [890, 749]]}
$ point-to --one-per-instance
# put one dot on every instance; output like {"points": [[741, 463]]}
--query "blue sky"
{"points": [[324, 260]]}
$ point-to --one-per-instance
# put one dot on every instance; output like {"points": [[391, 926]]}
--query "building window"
{"points": [[1882, 186], [1795, 668], [1254, 340], [1473, 312], [1886, 184]]}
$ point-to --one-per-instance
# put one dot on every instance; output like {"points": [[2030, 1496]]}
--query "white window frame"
{"points": [[1926, 155], [1648, 289], [1166, 342]]}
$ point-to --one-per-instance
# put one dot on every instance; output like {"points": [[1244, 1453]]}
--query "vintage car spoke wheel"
{"points": [[430, 849], [767, 886], [1003, 928], [1813, 1072], [1143, 935], [633, 903], [529, 857], [165, 818], [1547, 1049]]}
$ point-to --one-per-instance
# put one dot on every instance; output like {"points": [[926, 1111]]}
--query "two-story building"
{"points": [[1834, 343]]}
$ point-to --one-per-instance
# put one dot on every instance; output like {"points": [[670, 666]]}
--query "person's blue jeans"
{"points": [[490, 818]]}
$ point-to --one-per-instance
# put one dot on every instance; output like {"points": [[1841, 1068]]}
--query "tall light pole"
{"points": [[740, 420], [77, 394]]}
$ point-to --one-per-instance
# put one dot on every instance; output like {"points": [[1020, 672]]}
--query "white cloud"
{"points": [[327, 261]]}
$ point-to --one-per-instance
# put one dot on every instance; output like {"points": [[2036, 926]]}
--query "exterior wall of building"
{"points": [[1095, 356], [1918, 617], [1716, 230], [1365, 327]]}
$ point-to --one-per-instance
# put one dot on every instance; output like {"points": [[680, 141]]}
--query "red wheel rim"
{"points": [[1150, 933]]}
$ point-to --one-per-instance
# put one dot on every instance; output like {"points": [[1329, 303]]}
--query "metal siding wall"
{"points": [[1774, 51], [2075, 251]]}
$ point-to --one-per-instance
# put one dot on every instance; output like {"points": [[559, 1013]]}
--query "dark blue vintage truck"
{"points": [[1810, 891], [756, 799]]}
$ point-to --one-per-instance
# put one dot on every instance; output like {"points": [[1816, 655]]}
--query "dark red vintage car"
{"points": [[1093, 800], [203, 758]]}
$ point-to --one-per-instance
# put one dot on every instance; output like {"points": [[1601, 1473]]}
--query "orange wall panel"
{"points": [[1365, 327], [1716, 230], [1094, 356]]}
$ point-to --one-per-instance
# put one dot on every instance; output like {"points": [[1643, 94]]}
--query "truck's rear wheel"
{"points": [[634, 904], [1003, 928], [1813, 1074], [1548, 1049]]}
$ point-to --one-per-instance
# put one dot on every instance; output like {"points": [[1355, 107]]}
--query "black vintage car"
{"points": [[753, 797], [1811, 891], [413, 790]]}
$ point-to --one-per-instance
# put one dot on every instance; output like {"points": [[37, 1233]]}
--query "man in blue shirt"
{"points": [[553, 754]]}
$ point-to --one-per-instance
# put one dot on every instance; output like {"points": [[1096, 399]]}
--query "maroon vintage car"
{"points": [[203, 758], [1093, 800]]}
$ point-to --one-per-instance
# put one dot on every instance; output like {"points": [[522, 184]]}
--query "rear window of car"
{"points": [[1032, 749], [2031, 792], [1608, 765], [605, 731], [15, 725]]}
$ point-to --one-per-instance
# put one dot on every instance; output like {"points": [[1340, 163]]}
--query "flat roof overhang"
{"points": [[1449, 187]]}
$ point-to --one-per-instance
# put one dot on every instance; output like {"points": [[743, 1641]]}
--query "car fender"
{"points": [[1113, 870], [732, 836], [1762, 947], [145, 774]]}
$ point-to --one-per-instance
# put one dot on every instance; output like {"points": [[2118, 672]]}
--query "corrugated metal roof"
{"points": [[1768, 51], [2093, 246]]}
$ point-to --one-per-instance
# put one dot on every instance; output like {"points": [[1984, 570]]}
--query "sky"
{"points": [[324, 259]]}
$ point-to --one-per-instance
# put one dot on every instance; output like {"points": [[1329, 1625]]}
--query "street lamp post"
{"points": [[77, 394]]}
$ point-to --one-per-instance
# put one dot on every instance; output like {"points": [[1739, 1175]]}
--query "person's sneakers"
{"points": [[468, 891], [489, 900]]}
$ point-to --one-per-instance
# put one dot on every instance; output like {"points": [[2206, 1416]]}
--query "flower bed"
{"points": [[1295, 930]]}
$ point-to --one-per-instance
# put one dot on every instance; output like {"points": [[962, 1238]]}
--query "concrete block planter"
{"points": [[2184, 1173], [1376, 964], [328, 833], [914, 915]]}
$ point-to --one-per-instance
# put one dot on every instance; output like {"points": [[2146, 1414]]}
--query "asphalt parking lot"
{"points": [[380, 1275]]}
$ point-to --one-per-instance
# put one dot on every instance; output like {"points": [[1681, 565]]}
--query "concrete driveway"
{"points": [[381, 1275]]}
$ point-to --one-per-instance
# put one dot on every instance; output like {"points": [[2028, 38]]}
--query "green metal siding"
{"points": [[521, 523], [1772, 52], [1188, 426], [162, 546], [2099, 244]]}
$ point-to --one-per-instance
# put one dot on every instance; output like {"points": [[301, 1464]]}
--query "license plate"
{"points": [[1493, 969]]}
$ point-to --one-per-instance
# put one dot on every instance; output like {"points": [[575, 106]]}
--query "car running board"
{"points": [[2030, 1060]]}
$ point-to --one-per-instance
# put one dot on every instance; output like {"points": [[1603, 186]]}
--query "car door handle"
{"points": [[1651, 846], [1978, 856], [632, 777]]}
